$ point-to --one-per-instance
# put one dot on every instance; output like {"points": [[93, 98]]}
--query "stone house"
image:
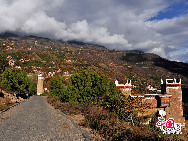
{"points": [[125, 88], [169, 100]]}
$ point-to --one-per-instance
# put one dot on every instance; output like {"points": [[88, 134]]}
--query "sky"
{"points": [[152, 26]]}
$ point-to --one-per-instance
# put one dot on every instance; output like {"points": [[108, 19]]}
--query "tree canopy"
{"points": [[91, 88], [85, 87], [56, 86], [3, 63], [16, 80]]}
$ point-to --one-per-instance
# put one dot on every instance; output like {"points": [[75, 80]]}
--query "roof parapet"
{"points": [[128, 84], [171, 81]]}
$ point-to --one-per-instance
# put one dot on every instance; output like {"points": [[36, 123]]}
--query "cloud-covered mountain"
{"points": [[115, 24]]}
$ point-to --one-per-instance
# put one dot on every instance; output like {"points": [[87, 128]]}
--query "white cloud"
{"points": [[119, 24], [174, 32]]}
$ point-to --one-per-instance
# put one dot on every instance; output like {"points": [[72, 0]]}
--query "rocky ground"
{"points": [[35, 119]]}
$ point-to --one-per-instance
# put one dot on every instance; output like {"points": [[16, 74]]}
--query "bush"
{"points": [[106, 123], [89, 87], [33, 85], [32, 89], [3, 63], [56, 86], [16, 80]]}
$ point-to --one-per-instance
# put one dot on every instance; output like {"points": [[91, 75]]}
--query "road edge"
{"points": [[3, 112], [85, 134]]}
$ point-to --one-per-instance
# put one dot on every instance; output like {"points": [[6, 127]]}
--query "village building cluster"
{"points": [[169, 99], [36, 69]]}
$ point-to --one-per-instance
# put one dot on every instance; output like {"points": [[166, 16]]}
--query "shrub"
{"points": [[56, 86], [16, 80], [32, 89], [89, 87], [3, 63]]}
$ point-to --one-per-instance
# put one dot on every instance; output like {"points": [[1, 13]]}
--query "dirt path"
{"points": [[36, 120]]}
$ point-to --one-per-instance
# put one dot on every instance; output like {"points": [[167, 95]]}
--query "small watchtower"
{"points": [[175, 110], [40, 89]]}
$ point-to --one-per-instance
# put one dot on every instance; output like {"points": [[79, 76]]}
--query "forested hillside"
{"points": [[80, 82], [34, 54]]}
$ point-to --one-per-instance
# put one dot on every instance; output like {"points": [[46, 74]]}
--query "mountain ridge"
{"points": [[72, 56]]}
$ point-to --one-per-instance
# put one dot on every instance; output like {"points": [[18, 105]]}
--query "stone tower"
{"points": [[40, 89], [175, 110]]}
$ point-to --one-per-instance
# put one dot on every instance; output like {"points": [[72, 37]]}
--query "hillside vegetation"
{"points": [[35, 54], [81, 77]]}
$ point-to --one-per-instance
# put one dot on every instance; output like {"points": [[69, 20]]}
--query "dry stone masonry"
{"points": [[168, 99], [40, 89]]}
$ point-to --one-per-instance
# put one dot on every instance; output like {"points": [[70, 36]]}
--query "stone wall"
{"points": [[150, 103], [149, 111], [175, 110], [126, 91]]}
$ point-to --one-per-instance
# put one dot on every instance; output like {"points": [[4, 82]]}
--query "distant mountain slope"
{"points": [[40, 54]]}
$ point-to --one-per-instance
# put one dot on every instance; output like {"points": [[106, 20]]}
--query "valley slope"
{"points": [[34, 54]]}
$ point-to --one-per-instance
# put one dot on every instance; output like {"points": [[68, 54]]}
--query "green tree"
{"points": [[3, 63], [89, 87], [56, 86], [32, 89], [33, 85], [16, 80]]}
